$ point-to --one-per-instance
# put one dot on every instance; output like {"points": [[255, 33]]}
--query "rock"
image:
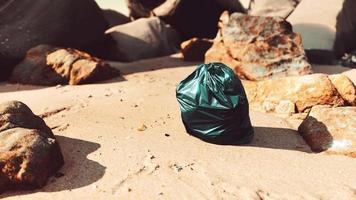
{"points": [[29, 152], [182, 14], [258, 48], [351, 74], [332, 129], [25, 24], [143, 38], [141, 8], [272, 8], [115, 18], [345, 87], [47, 65], [285, 107], [279, 95], [281, 107], [195, 49]]}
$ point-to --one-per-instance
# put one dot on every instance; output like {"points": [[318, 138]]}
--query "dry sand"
{"points": [[107, 157]]}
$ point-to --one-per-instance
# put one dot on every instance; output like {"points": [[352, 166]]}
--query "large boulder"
{"points": [[27, 23], [115, 18], [332, 129], [196, 18], [258, 48], [47, 65], [143, 38], [29, 152], [298, 92]]}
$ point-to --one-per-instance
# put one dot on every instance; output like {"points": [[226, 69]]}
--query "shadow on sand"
{"points": [[78, 170], [7, 87], [279, 138], [151, 64], [275, 138]]}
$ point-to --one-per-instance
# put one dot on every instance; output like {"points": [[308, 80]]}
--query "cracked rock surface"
{"points": [[258, 48]]}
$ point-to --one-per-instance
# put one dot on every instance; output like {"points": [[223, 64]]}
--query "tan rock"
{"points": [[258, 48], [302, 91], [285, 107], [345, 87], [332, 129]]}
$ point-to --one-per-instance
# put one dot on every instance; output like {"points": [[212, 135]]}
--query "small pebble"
{"points": [[142, 128]]}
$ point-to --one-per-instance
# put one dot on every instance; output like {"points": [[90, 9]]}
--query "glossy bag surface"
{"points": [[214, 105]]}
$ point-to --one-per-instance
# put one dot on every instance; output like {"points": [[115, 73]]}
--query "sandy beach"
{"points": [[124, 139]]}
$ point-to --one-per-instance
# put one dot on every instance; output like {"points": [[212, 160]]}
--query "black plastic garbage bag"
{"points": [[214, 105]]}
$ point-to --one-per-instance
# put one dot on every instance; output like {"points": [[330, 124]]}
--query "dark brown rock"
{"points": [[345, 41], [332, 129], [29, 152], [25, 24], [258, 48], [46, 65], [115, 18], [195, 49]]}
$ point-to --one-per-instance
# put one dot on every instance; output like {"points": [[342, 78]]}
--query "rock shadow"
{"points": [[273, 138], [151, 64], [279, 138], [78, 171], [13, 87]]}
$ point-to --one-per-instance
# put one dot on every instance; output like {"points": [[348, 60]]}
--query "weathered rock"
{"points": [[29, 152], [332, 129], [258, 48], [24, 24], [285, 107], [143, 38], [345, 87], [195, 49], [273, 8], [302, 91], [46, 65]]}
